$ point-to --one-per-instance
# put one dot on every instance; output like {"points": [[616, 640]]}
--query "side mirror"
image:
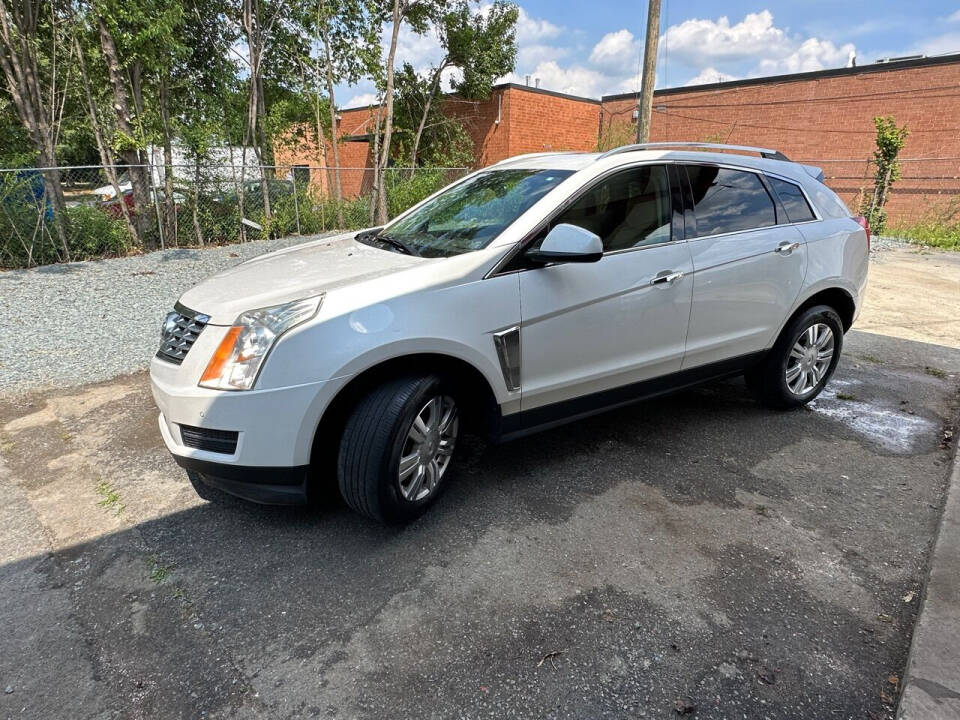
{"points": [[568, 243]]}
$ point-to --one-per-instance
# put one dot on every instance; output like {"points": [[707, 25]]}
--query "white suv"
{"points": [[539, 290]]}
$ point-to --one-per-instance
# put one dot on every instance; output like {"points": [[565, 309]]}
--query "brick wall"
{"points": [[823, 118], [827, 120]]}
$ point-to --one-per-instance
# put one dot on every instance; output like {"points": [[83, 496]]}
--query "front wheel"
{"points": [[801, 362], [396, 448]]}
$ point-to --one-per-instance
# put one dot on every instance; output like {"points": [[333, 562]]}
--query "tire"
{"points": [[380, 430], [769, 380]]}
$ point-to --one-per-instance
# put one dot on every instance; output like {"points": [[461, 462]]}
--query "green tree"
{"points": [[347, 39], [417, 15], [140, 43], [481, 45], [442, 140], [890, 141], [32, 57]]}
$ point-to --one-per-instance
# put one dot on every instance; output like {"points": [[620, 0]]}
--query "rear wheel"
{"points": [[396, 448], [801, 362]]}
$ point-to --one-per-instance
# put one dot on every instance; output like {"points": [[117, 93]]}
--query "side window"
{"points": [[792, 199], [727, 200], [629, 209]]}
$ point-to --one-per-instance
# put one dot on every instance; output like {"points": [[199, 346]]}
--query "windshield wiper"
{"points": [[398, 244]]}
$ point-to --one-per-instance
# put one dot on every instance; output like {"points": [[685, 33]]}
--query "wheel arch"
{"points": [[836, 296], [479, 405], [840, 299]]}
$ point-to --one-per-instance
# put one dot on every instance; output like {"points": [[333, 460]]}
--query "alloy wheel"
{"points": [[809, 359], [428, 448]]}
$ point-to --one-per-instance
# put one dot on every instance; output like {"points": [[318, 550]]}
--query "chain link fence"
{"points": [[927, 192], [110, 211], [103, 214]]}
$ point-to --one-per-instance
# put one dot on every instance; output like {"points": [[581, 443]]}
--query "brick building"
{"points": [[823, 118]]}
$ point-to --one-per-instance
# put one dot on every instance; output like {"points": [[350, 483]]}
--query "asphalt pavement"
{"points": [[696, 554]]}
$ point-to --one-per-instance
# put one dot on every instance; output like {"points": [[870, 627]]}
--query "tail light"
{"points": [[862, 222]]}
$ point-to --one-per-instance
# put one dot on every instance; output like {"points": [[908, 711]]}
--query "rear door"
{"points": [[747, 268]]}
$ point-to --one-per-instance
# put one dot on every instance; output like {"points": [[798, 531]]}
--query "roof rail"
{"points": [[527, 156], [763, 152]]}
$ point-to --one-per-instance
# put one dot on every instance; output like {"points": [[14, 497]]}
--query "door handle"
{"points": [[785, 248], [667, 277]]}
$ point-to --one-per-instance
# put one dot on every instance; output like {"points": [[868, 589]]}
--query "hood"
{"points": [[290, 274]]}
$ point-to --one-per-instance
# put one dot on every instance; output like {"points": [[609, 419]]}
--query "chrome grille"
{"points": [[181, 328]]}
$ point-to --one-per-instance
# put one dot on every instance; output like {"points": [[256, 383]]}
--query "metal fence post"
{"points": [[156, 206], [296, 204]]}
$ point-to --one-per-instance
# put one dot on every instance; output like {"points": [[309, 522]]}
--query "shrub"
{"points": [[404, 191], [938, 227], [92, 233]]}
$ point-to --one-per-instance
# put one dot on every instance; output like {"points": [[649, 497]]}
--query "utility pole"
{"points": [[645, 104]]}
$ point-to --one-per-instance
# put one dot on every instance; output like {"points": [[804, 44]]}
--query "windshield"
{"points": [[471, 214]]}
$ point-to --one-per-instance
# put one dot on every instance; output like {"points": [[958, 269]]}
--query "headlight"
{"points": [[238, 358]]}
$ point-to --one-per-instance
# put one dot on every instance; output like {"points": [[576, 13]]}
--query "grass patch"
{"points": [[943, 237], [939, 227], [935, 372], [845, 396], [159, 571], [6, 446], [109, 497], [871, 358]]}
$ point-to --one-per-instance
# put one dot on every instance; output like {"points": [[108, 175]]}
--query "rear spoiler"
{"points": [[814, 172]]}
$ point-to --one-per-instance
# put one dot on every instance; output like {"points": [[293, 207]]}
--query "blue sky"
{"points": [[593, 47]]}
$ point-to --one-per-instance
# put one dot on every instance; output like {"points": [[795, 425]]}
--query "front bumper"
{"points": [[275, 427], [266, 485]]}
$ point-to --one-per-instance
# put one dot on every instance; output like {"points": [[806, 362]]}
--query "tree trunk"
{"points": [[334, 139], [106, 156], [196, 200], [169, 204], [255, 112], [375, 190], [388, 120], [265, 152], [18, 61], [434, 86], [130, 154]]}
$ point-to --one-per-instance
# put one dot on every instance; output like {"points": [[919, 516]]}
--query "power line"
{"points": [[831, 98], [670, 113]]}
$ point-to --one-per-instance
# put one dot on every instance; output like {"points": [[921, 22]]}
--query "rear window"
{"points": [[827, 202], [793, 201], [729, 200]]}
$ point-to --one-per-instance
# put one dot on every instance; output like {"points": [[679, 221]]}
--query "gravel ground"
{"points": [[103, 315]]}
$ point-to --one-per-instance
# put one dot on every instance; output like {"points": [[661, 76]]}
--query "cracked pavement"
{"points": [[695, 548]]}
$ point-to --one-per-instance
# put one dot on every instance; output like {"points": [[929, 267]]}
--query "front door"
{"points": [[591, 327]]}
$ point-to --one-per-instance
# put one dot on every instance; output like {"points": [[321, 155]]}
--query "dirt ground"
{"points": [[696, 549]]}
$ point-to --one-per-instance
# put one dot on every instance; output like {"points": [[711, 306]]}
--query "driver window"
{"points": [[629, 209]]}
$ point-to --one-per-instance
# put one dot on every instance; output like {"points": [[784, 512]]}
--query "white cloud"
{"points": [[942, 44], [531, 29], [812, 54], [700, 42], [615, 52], [754, 47], [532, 55], [710, 75], [573, 80], [955, 17], [361, 100]]}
